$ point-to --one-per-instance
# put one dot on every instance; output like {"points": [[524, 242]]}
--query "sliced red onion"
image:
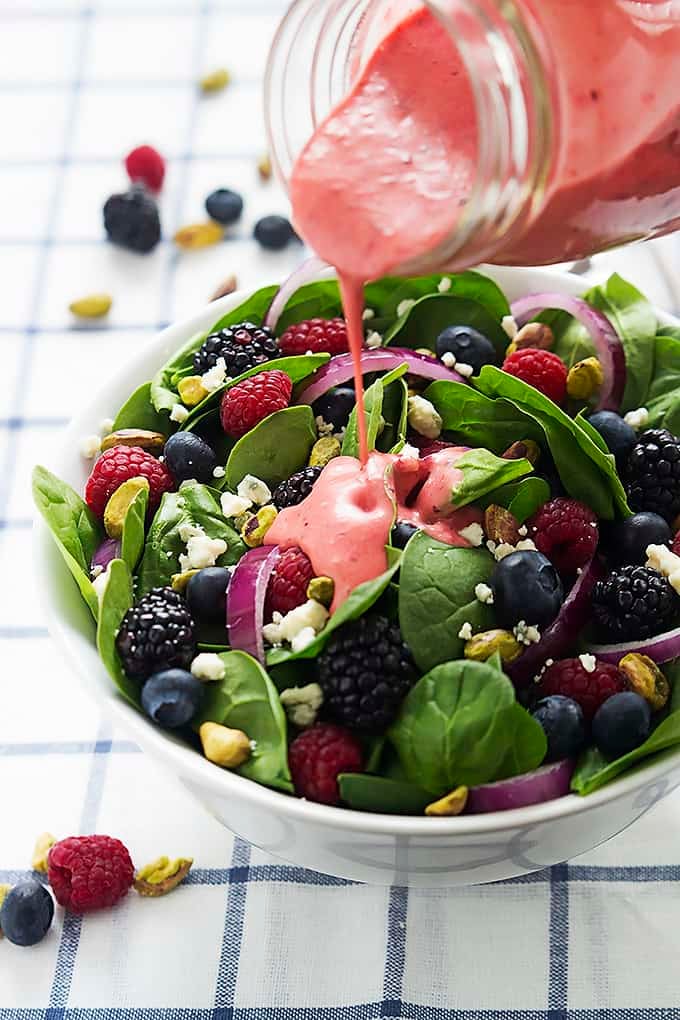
{"points": [[305, 273], [607, 343], [245, 605], [383, 359], [107, 551], [556, 639], [661, 648], [545, 783]]}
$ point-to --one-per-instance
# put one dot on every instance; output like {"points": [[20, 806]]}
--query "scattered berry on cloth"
{"points": [[146, 166], [131, 220], [565, 531], [571, 679], [634, 602], [26, 913], [242, 346], [274, 232], [541, 369], [318, 756], [253, 399], [288, 582], [89, 872], [156, 634], [296, 488], [116, 466], [320, 336], [224, 206]]}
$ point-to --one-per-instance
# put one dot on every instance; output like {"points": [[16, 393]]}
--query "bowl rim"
{"points": [[185, 760]]}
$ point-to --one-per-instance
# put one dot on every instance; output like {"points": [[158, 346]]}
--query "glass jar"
{"points": [[574, 106]]}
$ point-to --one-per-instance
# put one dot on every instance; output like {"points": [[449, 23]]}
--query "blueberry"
{"points": [[172, 697], [526, 587], [468, 345], [188, 456], [206, 594], [274, 232], [224, 206], [336, 406], [401, 533], [26, 913], [619, 437], [627, 540], [564, 726], [621, 724]]}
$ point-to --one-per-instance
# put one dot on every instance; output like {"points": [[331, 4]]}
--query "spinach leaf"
{"points": [[483, 471], [663, 397], [521, 498], [247, 700], [138, 412], [480, 420], [423, 322], [526, 747], [253, 309], [355, 605], [365, 792], [115, 602], [395, 413], [75, 529], [457, 728], [277, 447], [374, 398], [437, 596], [193, 504], [132, 542], [319, 300], [667, 329]]}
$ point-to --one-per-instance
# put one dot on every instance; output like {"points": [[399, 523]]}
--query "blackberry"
{"points": [[365, 672], [652, 474], [242, 346], [132, 220], [634, 602], [296, 488], [156, 634]]}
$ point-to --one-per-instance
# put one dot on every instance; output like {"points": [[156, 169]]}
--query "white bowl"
{"points": [[380, 849]]}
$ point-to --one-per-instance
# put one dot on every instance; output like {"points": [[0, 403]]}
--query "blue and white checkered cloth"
{"points": [[246, 937]]}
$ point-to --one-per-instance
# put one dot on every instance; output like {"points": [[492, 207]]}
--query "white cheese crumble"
{"points": [[661, 559], [234, 506], [99, 584], [368, 314], [522, 532], [373, 340], [311, 615], [179, 413], [219, 472], [444, 285], [409, 452], [509, 326], [215, 376], [465, 632], [637, 419], [201, 550], [588, 662], [424, 418], [323, 428], [106, 427], [465, 370], [504, 549], [302, 704], [96, 571], [449, 359], [405, 306], [303, 639], [254, 489], [208, 666], [525, 634], [473, 533], [484, 594], [90, 446]]}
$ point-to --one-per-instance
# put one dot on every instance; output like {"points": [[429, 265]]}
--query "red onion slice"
{"points": [[604, 336], [556, 639], [107, 551], [340, 369], [305, 273], [245, 604], [545, 783], [661, 648]]}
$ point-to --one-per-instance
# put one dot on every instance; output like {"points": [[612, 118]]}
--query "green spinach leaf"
{"points": [[132, 542], [374, 399], [365, 792], [277, 447], [663, 397], [138, 412], [318, 300], [521, 498], [480, 420], [115, 602], [483, 471]]}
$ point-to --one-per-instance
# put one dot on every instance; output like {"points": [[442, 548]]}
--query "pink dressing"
{"points": [[345, 522]]}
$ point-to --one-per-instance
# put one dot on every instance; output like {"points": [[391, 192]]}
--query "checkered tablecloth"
{"points": [[246, 937]]}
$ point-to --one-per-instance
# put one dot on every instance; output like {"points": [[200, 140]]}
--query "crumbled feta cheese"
{"points": [[302, 704], [484, 594], [303, 639], [549, 662], [201, 550], [449, 359], [310, 615], [234, 506], [526, 544], [424, 418], [444, 285], [661, 559], [208, 666], [179, 413], [465, 632], [588, 662], [215, 376], [502, 550], [368, 314], [309, 352], [637, 419], [405, 306], [509, 326], [254, 489], [323, 428], [491, 546], [409, 452], [473, 533], [90, 446], [106, 427], [525, 634], [373, 340], [99, 584], [463, 369], [189, 530], [219, 471], [96, 571], [522, 532]]}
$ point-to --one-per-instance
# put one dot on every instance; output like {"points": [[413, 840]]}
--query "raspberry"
{"points": [[634, 602], [319, 336], [145, 164], [118, 464], [243, 346], [247, 403], [156, 634], [288, 582], [296, 488], [89, 872], [541, 369], [652, 474], [571, 679], [566, 532], [318, 756]]}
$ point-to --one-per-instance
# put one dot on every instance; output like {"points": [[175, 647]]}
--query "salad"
{"points": [[484, 615]]}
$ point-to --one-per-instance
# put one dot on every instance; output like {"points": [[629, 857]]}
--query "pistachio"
{"points": [[450, 805], [215, 81], [4, 889], [482, 646], [223, 746], [228, 285], [94, 306], [500, 525], [584, 379], [41, 850], [264, 167], [198, 235], [257, 525], [324, 450], [426, 352], [191, 390], [321, 589], [525, 449], [534, 334], [179, 582], [152, 442], [646, 679], [162, 876], [119, 504]]}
